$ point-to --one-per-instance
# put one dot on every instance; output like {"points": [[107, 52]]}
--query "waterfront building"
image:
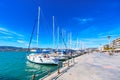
{"points": [[115, 44]]}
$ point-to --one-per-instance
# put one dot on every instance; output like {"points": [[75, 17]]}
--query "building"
{"points": [[115, 45], [90, 50]]}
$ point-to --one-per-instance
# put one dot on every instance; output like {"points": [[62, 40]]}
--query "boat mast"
{"points": [[80, 45], [58, 37], [53, 32], [62, 38], [77, 44], [38, 26], [70, 40]]}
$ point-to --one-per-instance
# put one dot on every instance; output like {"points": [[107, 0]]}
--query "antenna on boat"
{"points": [[38, 26], [53, 32]]}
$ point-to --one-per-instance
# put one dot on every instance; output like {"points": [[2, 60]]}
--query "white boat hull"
{"points": [[61, 57], [40, 59]]}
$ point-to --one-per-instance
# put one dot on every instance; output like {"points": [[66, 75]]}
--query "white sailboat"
{"points": [[61, 55], [41, 58], [58, 55]]}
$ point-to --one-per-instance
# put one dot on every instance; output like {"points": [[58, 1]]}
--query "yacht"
{"points": [[60, 56], [40, 58]]}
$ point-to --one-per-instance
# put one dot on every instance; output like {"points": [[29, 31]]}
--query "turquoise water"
{"points": [[14, 66]]}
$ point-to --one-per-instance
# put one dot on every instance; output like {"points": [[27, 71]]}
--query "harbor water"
{"points": [[14, 66]]}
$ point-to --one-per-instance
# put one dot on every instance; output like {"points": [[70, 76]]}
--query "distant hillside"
{"points": [[12, 48], [18, 49]]}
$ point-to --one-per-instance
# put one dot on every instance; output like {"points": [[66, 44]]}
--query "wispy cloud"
{"points": [[83, 20], [9, 32], [11, 37], [34, 41], [20, 41], [90, 30], [114, 33], [6, 37], [99, 37], [94, 42], [23, 43], [91, 42]]}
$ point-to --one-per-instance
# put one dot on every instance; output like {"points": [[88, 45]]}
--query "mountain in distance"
{"points": [[11, 48], [18, 49]]}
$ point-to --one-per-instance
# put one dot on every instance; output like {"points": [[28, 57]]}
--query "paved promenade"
{"points": [[95, 66]]}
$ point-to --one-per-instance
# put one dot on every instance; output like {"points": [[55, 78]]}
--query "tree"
{"points": [[106, 48], [109, 44], [109, 39]]}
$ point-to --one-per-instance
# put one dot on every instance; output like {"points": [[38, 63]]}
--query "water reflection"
{"points": [[34, 66], [38, 69]]}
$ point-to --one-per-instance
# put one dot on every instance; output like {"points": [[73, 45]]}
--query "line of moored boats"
{"points": [[52, 57]]}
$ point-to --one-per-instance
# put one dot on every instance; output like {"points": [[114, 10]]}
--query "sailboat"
{"points": [[58, 54], [41, 58]]}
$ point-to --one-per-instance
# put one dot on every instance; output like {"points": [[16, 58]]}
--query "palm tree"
{"points": [[109, 39], [109, 44]]}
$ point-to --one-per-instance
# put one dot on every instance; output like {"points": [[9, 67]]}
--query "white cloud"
{"points": [[90, 30], [34, 41], [101, 38], [91, 42], [26, 44], [3, 29], [6, 37], [83, 20], [20, 41], [8, 32], [114, 33], [9, 37]]}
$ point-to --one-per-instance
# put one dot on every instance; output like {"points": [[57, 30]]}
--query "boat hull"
{"points": [[41, 60]]}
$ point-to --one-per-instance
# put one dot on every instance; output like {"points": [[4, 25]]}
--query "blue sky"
{"points": [[91, 21]]}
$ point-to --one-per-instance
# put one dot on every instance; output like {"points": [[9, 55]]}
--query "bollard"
{"points": [[68, 63], [49, 72], [73, 60], [63, 64], [58, 68], [33, 77]]}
